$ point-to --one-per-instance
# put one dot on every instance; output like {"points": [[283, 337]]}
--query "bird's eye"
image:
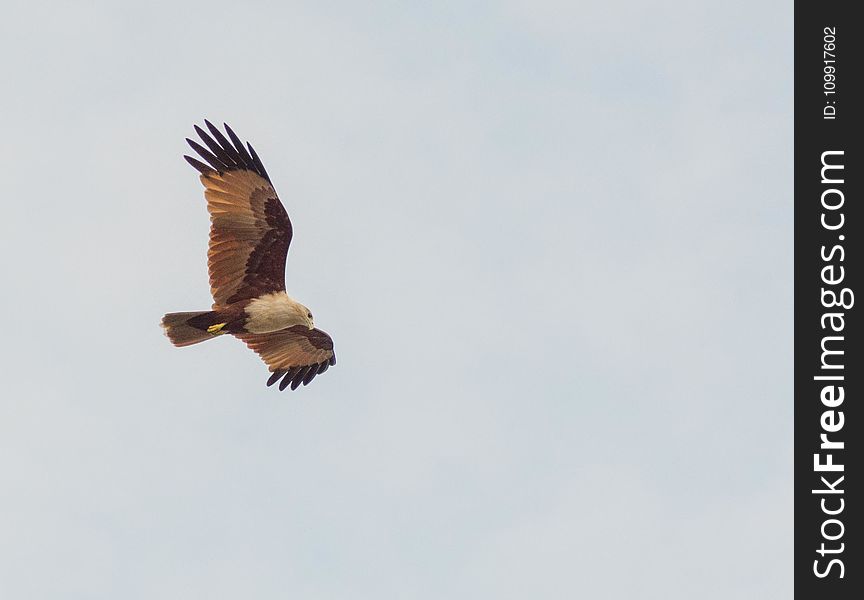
{"points": [[309, 315]]}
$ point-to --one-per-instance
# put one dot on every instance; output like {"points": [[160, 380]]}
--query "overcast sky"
{"points": [[552, 241]]}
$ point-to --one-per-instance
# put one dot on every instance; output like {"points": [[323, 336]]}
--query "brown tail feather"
{"points": [[178, 330]]}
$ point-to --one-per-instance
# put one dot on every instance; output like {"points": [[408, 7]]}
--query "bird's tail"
{"points": [[187, 328]]}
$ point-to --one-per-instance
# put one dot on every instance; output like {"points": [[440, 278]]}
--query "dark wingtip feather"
{"points": [[225, 154], [238, 146], [257, 162], [205, 138], [275, 376], [218, 151], [285, 382], [225, 147], [199, 131], [201, 167], [298, 378], [289, 376], [212, 160]]}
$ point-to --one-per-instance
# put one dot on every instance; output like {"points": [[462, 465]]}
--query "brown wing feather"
{"points": [[250, 231], [295, 355]]}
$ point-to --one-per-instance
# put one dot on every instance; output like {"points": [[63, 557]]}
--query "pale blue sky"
{"points": [[552, 241]]}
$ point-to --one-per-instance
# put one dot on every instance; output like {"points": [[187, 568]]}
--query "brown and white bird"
{"points": [[249, 237]]}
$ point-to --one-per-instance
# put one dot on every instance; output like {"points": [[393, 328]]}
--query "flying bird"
{"points": [[249, 237]]}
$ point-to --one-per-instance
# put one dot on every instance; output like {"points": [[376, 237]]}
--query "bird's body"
{"points": [[249, 237]]}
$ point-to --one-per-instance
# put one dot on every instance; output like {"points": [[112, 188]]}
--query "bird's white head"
{"points": [[272, 312], [305, 316]]}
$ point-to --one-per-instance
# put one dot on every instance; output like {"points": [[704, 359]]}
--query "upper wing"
{"points": [[295, 355], [250, 231]]}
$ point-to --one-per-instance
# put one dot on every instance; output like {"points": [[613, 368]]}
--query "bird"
{"points": [[250, 233]]}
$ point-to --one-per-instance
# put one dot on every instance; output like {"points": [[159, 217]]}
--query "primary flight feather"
{"points": [[249, 237]]}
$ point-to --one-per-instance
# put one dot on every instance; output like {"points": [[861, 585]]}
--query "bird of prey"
{"points": [[249, 237]]}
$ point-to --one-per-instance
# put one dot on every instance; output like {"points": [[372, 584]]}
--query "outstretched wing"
{"points": [[295, 355], [249, 229]]}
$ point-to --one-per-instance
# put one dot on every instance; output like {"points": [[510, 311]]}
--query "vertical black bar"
{"points": [[829, 371]]}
